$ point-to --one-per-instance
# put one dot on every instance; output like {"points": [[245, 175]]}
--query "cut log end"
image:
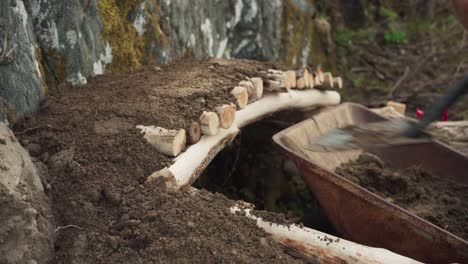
{"points": [[291, 77], [328, 80], [338, 82], [226, 114], [209, 123], [399, 107], [277, 86], [194, 133], [168, 142], [257, 92], [300, 83], [241, 95]]}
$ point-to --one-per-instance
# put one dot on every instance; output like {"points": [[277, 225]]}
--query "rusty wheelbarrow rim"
{"points": [[366, 195]]}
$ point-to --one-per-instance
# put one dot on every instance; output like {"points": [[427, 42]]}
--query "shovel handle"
{"points": [[435, 112]]}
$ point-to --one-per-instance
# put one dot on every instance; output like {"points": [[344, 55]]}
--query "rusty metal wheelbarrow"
{"points": [[361, 216]]}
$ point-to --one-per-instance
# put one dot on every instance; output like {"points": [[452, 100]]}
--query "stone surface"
{"points": [[25, 227], [77, 39], [20, 77]]}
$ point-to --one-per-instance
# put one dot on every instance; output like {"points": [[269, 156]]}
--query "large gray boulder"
{"points": [[20, 77], [74, 40], [25, 216]]}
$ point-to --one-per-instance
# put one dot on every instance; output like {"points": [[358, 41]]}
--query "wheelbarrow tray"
{"points": [[362, 216]]}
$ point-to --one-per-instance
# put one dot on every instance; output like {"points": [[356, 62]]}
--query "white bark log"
{"points": [[241, 95], [226, 114], [169, 142], [193, 161], [318, 247], [209, 123]]}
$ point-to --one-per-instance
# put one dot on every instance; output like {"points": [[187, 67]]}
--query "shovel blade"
{"points": [[365, 136]]}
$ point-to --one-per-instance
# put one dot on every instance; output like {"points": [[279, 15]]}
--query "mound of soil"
{"points": [[438, 200], [97, 163]]}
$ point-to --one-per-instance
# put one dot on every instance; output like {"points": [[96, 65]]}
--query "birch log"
{"points": [[338, 82], [194, 160], [241, 96], [194, 133], [317, 247], [168, 142], [209, 123], [226, 114]]}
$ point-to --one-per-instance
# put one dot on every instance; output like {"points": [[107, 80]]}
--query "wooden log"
{"points": [[316, 247], [226, 114], [168, 142], [291, 77], [327, 80], [257, 91], [280, 77], [241, 95], [194, 160], [273, 71], [300, 83], [306, 75], [276, 86], [194, 133], [338, 82], [311, 81], [209, 123], [399, 107]]}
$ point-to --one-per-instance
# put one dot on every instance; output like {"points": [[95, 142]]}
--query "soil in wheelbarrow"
{"points": [[440, 201]]}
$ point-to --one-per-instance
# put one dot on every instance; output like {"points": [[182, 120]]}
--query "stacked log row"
{"points": [[305, 78], [172, 142]]}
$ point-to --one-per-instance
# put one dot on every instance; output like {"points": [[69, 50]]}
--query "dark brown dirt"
{"points": [[440, 201], [97, 162], [272, 217]]}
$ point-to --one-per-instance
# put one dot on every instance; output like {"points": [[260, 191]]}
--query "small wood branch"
{"points": [[226, 114], [398, 83], [168, 142], [317, 247], [209, 123], [194, 133], [338, 82], [194, 160], [241, 96]]}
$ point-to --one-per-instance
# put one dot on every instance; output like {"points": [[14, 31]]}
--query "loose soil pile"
{"points": [[438, 200], [97, 163]]}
